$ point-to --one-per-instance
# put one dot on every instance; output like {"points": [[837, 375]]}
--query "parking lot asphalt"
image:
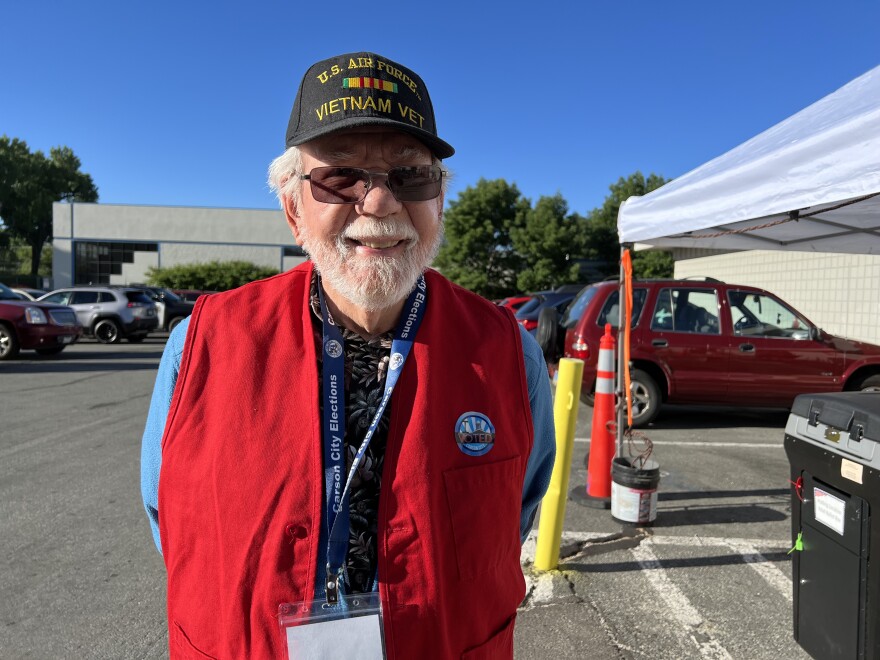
{"points": [[81, 578]]}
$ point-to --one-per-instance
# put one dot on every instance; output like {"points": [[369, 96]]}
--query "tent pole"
{"points": [[618, 345]]}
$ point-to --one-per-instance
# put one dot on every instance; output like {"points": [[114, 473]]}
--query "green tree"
{"points": [[652, 263], [602, 239], [30, 182], [211, 276], [9, 260], [15, 262], [478, 249], [549, 241]]}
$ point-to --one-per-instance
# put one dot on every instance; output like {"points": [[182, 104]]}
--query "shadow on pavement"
{"points": [[717, 515], [664, 496], [682, 562], [68, 367], [699, 417], [85, 358], [110, 354]]}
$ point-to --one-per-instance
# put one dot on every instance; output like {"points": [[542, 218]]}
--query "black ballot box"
{"points": [[831, 441]]}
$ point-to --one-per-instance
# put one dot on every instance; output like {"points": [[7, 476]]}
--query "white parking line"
{"points": [[751, 445], [72, 431], [747, 549], [528, 548], [714, 541], [678, 604], [542, 589], [527, 553], [766, 569]]}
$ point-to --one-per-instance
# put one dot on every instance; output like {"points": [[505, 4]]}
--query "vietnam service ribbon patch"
{"points": [[375, 83]]}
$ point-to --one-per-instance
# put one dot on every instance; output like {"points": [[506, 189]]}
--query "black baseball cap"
{"points": [[363, 89]]}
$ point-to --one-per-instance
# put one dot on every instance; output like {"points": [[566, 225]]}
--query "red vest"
{"points": [[241, 483]]}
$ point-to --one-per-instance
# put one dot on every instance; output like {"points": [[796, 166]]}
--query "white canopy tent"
{"points": [[811, 183]]}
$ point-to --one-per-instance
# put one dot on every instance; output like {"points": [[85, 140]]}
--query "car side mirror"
{"points": [[815, 333]]}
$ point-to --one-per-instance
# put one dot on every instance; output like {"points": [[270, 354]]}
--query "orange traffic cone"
{"points": [[602, 437]]}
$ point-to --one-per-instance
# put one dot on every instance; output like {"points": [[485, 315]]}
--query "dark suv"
{"points": [[712, 343], [170, 307], [109, 313], [559, 298]]}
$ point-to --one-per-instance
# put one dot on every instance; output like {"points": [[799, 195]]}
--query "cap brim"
{"points": [[437, 146]]}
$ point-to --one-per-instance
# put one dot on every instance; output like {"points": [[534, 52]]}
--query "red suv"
{"points": [[25, 324], [708, 342]]}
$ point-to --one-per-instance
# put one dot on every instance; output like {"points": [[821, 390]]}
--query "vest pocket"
{"points": [[498, 646], [484, 505], [181, 647]]}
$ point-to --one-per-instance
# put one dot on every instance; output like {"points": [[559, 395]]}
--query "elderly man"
{"points": [[343, 460]]}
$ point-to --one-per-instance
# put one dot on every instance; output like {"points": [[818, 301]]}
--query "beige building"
{"points": [[118, 243]]}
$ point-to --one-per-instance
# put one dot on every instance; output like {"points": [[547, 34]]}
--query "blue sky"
{"points": [[186, 103]]}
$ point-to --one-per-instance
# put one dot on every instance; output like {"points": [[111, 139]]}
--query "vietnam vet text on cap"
{"points": [[363, 89]]}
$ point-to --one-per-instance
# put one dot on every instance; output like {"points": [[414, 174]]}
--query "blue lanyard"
{"points": [[333, 428]]}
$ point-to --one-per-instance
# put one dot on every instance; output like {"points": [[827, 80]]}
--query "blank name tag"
{"points": [[350, 630]]}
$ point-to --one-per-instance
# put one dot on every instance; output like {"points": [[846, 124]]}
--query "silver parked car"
{"points": [[28, 293], [109, 313]]}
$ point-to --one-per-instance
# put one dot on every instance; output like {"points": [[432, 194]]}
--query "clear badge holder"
{"points": [[351, 629]]}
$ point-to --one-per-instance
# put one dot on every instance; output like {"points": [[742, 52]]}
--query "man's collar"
{"points": [[315, 304]]}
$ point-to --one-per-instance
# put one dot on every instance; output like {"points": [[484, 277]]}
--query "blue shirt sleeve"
{"points": [[538, 468], [540, 465], [151, 445]]}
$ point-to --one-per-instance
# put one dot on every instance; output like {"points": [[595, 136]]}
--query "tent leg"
{"points": [[618, 346]]}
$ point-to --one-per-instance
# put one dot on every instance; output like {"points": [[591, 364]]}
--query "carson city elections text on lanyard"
{"points": [[333, 430]]}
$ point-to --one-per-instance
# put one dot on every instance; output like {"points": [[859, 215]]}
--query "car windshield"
{"points": [[576, 308], [530, 306], [170, 295], [138, 297], [8, 294], [611, 311]]}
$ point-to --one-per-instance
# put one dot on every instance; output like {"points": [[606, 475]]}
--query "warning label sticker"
{"points": [[830, 510], [851, 471]]}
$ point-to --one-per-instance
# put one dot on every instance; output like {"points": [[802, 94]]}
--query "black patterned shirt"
{"points": [[366, 364]]}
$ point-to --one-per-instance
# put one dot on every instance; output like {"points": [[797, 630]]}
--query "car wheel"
{"points": [[8, 342], [645, 398], [547, 333], [136, 339], [174, 323], [106, 331], [870, 384], [54, 350]]}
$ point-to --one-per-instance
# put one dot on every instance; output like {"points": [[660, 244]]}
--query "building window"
{"points": [[96, 261]]}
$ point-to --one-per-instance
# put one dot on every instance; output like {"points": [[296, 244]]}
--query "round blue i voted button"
{"points": [[474, 433]]}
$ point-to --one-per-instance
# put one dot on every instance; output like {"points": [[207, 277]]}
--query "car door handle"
{"points": [[747, 348], [659, 343]]}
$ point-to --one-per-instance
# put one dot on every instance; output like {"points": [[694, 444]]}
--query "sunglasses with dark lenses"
{"points": [[349, 185]]}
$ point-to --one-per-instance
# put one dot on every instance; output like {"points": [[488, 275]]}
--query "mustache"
{"points": [[372, 228]]}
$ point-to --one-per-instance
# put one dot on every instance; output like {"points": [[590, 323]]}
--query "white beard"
{"points": [[371, 283]]}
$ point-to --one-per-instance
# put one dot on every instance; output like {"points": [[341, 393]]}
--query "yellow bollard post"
{"points": [[565, 411]]}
